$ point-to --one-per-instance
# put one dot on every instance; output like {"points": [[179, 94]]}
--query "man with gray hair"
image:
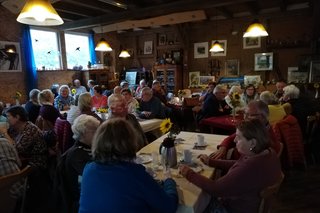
{"points": [[215, 105], [79, 88], [118, 109], [150, 106]]}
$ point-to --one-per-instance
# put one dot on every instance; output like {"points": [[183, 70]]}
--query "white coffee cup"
{"points": [[187, 156], [200, 141]]}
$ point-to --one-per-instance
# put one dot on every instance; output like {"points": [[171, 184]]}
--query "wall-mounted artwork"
{"points": [[201, 50], [10, 56], [232, 67], [252, 79], [162, 39], [147, 50], [205, 80], [314, 71], [251, 42], [263, 61], [296, 76], [223, 44], [194, 79]]}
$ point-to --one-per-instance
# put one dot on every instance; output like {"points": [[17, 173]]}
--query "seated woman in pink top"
{"points": [[99, 100], [258, 167]]}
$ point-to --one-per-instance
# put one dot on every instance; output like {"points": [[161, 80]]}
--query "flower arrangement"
{"points": [[73, 91], [102, 110], [168, 126], [17, 97]]}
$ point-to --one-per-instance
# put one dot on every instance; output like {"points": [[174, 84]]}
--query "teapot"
{"points": [[168, 153]]}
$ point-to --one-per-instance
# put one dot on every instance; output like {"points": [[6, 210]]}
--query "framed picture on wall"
{"points": [[263, 61], [223, 44], [10, 57], [251, 42], [147, 49], [201, 50], [232, 67], [314, 75], [194, 79], [296, 76], [204, 80], [162, 39]]}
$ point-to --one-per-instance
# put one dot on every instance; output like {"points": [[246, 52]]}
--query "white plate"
{"points": [[197, 169], [202, 145], [144, 158]]}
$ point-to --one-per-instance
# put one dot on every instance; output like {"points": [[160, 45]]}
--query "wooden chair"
{"points": [[6, 182], [268, 195]]}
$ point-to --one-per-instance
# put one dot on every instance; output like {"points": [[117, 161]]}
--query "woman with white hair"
{"points": [[64, 100], [32, 106], [73, 161], [301, 107]]}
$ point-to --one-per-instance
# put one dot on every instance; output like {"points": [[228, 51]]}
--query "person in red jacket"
{"points": [[254, 110], [258, 167]]}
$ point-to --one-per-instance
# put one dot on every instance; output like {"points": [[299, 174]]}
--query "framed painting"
{"points": [[232, 67], [201, 50], [10, 57], [204, 80], [147, 49], [263, 61], [162, 39], [223, 44], [194, 79], [251, 42], [296, 76]]}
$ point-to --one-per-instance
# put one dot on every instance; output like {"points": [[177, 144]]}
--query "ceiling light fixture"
{"points": [[103, 46], [216, 47], [256, 29], [40, 13], [124, 54]]}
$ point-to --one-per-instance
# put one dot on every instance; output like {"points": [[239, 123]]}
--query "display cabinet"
{"points": [[170, 77]]}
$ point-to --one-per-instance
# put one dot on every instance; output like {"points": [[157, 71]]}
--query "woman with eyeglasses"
{"points": [[258, 167], [250, 94]]}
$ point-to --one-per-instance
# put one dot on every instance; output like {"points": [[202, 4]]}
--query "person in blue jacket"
{"points": [[113, 182]]}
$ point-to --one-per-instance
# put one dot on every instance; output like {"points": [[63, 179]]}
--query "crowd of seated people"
{"points": [[29, 142]]}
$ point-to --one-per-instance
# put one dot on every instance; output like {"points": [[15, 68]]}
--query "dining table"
{"points": [[225, 123], [192, 199]]}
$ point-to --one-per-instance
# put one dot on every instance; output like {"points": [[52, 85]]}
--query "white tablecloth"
{"points": [[191, 198], [150, 124]]}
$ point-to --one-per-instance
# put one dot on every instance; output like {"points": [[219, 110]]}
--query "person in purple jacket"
{"points": [[258, 167], [114, 183]]}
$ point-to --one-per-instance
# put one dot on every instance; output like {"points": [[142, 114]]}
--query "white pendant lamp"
{"points": [[256, 29], [103, 46], [216, 47], [124, 54], [40, 13]]}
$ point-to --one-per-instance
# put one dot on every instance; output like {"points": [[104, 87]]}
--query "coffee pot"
{"points": [[168, 153]]}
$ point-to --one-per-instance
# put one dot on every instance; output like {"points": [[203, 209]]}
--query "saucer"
{"points": [[143, 158], [202, 145]]}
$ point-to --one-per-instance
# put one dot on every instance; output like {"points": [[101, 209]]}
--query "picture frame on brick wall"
{"points": [[10, 56]]}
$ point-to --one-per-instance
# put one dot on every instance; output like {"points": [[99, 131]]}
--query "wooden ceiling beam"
{"points": [[71, 12], [253, 7], [90, 6], [225, 12], [171, 7]]}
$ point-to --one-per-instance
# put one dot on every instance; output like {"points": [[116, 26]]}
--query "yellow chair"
{"points": [[268, 195], [6, 182]]}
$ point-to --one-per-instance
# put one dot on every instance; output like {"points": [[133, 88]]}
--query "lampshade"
{"points": [[39, 12], [124, 54], [256, 29], [216, 47], [103, 46]]}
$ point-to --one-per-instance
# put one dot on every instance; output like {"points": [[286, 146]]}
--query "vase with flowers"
{"points": [[167, 148], [234, 102], [17, 97]]}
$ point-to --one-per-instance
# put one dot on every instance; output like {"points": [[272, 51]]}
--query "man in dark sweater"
{"points": [[150, 106]]}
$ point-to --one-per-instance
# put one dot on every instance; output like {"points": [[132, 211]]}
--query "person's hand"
{"points": [[204, 158], [183, 170], [220, 153]]}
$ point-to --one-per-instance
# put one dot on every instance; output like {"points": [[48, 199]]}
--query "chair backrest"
{"points": [[6, 183], [191, 102], [64, 134], [268, 194]]}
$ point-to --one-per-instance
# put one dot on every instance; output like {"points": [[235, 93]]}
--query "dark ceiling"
{"points": [[86, 14]]}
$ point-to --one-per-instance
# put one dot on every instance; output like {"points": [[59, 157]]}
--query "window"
{"points": [[77, 49], [45, 49]]}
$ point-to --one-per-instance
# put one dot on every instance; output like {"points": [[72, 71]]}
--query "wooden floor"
{"points": [[300, 192]]}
